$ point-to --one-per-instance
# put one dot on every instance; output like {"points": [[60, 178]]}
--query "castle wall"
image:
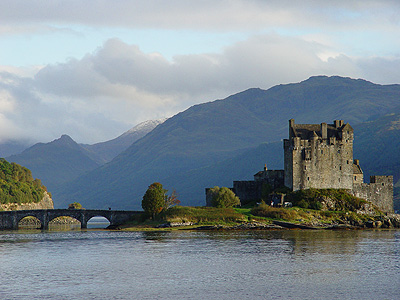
{"points": [[316, 164], [319, 161], [248, 191], [379, 191], [288, 163], [275, 178]]}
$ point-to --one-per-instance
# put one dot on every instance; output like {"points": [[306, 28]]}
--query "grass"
{"points": [[343, 211], [203, 215]]}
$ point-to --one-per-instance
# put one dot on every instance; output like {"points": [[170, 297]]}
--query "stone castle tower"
{"points": [[319, 156]]}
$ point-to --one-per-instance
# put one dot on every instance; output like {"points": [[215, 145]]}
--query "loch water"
{"points": [[282, 264]]}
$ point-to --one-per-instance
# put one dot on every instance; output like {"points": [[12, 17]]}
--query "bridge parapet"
{"points": [[10, 219]]}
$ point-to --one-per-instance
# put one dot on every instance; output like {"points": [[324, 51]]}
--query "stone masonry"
{"points": [[320, 156]]}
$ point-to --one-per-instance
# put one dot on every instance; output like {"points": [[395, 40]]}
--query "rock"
{"points": [[341, 226], [45, 203], [210, 227], [255, 226], [370, 224]]}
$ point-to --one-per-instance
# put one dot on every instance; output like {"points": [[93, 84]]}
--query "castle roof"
{"points": [[309, 131]]}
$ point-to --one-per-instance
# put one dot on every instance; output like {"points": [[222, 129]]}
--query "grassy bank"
{"points": [[315, 208], [181, 217]]}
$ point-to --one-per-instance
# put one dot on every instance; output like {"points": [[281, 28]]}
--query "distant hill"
{"points": [[9, 148], [185, 150], [58, 161], [110, 149]]}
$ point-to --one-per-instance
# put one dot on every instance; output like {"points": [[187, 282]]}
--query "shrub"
{"points": [[75, 205], [264, 210], [312, 198], [223, 197]]}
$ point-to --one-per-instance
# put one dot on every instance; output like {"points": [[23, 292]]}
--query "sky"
{"points": [[94, 69]]}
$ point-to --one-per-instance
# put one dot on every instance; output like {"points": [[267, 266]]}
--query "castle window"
{"points": [[355, 178], [383, 184], [340, 168], [322, 151], [339, 179], [308, 178], [347, 162]]}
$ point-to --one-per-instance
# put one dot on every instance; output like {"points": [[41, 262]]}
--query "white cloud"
{"points": [[207, 14], [118, 85]]}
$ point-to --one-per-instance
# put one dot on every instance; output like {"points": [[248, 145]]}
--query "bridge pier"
{"points": [[45, 221], [83, 224]]}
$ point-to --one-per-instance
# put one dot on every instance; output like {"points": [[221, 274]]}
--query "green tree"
{"points": [[75, 205], [154, 199], [223, 197]]}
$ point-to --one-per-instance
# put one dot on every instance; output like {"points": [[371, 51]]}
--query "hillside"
{"points": [[17, 184], [57, 162], [110, 149], [178, 151], [8, 148]]}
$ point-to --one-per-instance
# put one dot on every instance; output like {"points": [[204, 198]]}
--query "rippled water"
{"points": [[200, 265]]}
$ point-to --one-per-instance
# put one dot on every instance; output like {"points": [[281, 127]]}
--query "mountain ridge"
{"points": [[208, 133]]}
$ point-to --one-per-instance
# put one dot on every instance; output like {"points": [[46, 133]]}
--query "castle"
{"points": [[319, 156]]}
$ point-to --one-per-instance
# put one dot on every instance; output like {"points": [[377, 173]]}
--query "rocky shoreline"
{"points": [[391, 221]]}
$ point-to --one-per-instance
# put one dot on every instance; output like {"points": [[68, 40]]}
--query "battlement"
{"points": [[319, 156]]}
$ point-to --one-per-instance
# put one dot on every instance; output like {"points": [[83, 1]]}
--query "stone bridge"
{"points": [[10, 219]]}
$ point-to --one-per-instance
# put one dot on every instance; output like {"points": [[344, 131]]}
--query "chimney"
{"points": [[338, 123], [324, 131]]}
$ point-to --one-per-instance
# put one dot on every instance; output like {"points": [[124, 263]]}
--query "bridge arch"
{"points": [[98, 222], [29, 222], [64, 221], [10, 219]]}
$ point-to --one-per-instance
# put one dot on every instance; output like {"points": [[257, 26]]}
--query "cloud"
{"points": [[208, 15], [118, 85]]}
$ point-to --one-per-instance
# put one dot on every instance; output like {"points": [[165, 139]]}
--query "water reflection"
{"points": [[287, 264], [98, 222]]}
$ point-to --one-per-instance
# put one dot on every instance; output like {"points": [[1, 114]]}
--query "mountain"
{"points": [[57, 162], [185, 149], [110, 149], [9, 148]]}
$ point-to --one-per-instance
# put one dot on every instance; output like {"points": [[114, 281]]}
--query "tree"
{"points": [[154, 199], [75, 205], [223, 197], [171, 200]]}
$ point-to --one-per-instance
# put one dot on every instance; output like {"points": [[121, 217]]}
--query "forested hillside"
{"points": [[17, 184]]}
